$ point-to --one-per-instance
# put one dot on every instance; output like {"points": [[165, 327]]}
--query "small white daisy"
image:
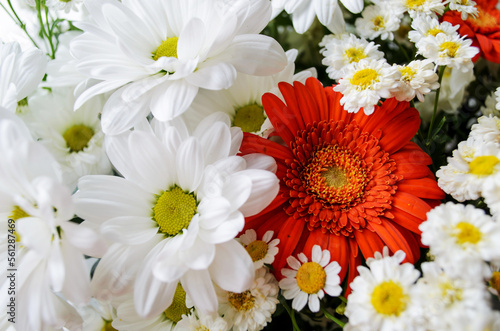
{"points": [[345, 49], [378, 21], [417, 78], [462, 238], [307, 282], [201, 322], [487, 129], [429, 26], [365, 82], [252, 309], [418, 8], [464, 7], [381, 297], [448, 50], [262, 251]]}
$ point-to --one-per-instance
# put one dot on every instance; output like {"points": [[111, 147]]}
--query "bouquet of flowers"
{"points": [[250, 164]]}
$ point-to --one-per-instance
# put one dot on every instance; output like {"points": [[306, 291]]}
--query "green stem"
{"points": [[436, 101], [18, 21], [290, 312], [333, 318], [43, 32], [342, 298]]}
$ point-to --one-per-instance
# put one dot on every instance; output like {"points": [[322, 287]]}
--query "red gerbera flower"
{"points": [[350, 183], [484, 30]]}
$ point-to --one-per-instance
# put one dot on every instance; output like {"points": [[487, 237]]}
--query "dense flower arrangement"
{"points": [[250, 164]]}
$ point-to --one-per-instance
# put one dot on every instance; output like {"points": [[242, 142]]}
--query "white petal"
{"points": [[313, 303], [265, 187], [354, 6], [213, 75], [237, 190], [216, 142], [227, 230], [129, 230], [260, 161], [191, 39], [199, 256], [190, 163], [171, 100], [303, 18], [199, 288], [299, 301]]}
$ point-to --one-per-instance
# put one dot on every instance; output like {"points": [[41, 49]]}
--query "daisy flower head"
{"points": [[261, 251], [492, 104], [162, 54], [381, 297], [328, 13], [20, 73], [250, 310], [201, 322], [472, 164], [378, 21], [339, 52], [425, 26], [182, 201], [330, 171], [365, 82], [74, 137], [419, 8], [448, 50], [464, 7], [417, 78], [308, 281], [487, 129], [461, 235]]}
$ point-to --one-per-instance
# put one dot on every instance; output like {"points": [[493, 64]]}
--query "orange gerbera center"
{"points": [[486, 22], [339, 179]]}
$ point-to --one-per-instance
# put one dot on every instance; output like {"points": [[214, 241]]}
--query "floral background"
{"points": [[250, 164]]}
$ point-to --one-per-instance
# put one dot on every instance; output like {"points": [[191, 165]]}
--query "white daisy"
{"points": [[307, 282], [448, 50], [429, 26], [365, 82], [74, 137], [461, 235], [156, 55], [201, 322], [487, 129], [419, 8], [492, 104], [470, 166], [448, 303], [417, 78], [20, 73], [262, 251], [464, 7], [381, 297], [243, 100], [180, 205], [252, 309], [378, 21], [328, 12], [345, 49]]}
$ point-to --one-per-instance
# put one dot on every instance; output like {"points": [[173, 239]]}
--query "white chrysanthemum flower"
{"points": [[74, 137], [464, 7], [364, 83], [491, 193], [20, 73], [97, 315], [452, 92], [430, 26], [307, 282], [381, 297], [243, 100], [252, 309], [328, 12], [448, 303], [201, 322], [378, 21], [346, 49], [180, 205], [487, 129], [261, 251], [470, 166], [36, 207], [419, 8], [156, 55], [461, 238], [399, 256], [417, 78], [448, 50]]}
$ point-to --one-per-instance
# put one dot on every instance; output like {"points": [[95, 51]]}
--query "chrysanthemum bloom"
{"points": [[350, 183], [378, 21], [464, 7], [417, 78], [484, 30]]}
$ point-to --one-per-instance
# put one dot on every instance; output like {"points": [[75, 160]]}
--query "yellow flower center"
{"points": [[467, 233], [388, 298], [378, 23], [450, 47], [178, 307], [335, 177], [483, 165], [311, 277], [365, 78], [495, 281], [450, 294], [414, 4], [257, 250], [167, 48], [354, 54], [249, 118], [108, 327], [174, 210], [434, 32], [18, 213], [241, 301], [407, 73], [77, 137]]}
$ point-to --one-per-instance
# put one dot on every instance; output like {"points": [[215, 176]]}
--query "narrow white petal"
{"points": [[265, 187], [170, 101], [199, 288], [190, 163], [129, 230]]}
